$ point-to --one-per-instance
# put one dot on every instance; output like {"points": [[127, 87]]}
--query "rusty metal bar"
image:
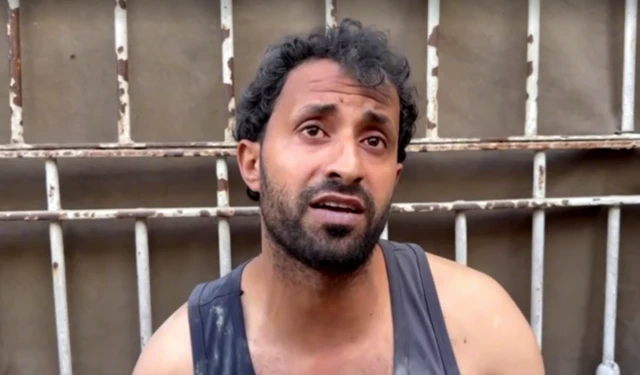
{"points": [[533, 63], [461, 238], [482, 205], [537, 246], [433, 26], [122, 69], [331, 13], [629, 66], [224, 230], [218, 149], [144, 281], [58, 270], [226, 25], [609, 365], [15, 72]]}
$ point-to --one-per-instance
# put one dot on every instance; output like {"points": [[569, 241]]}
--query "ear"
{"points": [[399, 167], [248, 154]]}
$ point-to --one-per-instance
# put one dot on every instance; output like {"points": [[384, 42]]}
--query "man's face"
{"points": [[328, 167]]}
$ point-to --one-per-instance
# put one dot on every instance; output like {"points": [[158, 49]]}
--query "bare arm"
{"points": [[489, 333], [168, 352], [511, 347]]}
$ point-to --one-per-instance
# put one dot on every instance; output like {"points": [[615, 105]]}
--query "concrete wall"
{"points": [[176, 95]]}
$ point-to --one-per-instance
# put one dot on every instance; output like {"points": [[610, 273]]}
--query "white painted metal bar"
{"points": [[433, 27], [226, 26], [533, 63], [385, 232], [224, 230], [331, 13], [122, 69], [15, 72], [609, 365], [219, 149], [396, 208], [144, 281], [629, 66], [58, 271], [461, 237], [539, 169], [537, 246]]}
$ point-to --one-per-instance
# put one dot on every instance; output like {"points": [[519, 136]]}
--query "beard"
{"points": [[331, 250]]}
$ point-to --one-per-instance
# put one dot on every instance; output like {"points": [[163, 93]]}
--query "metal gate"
{"points": [[125, 146]]}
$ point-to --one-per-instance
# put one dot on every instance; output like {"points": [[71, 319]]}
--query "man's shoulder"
{"points": [[486, 326], [169, 351], [210, 291]]}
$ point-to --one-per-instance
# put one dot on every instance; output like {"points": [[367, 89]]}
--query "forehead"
{"points": [[326, 82]]}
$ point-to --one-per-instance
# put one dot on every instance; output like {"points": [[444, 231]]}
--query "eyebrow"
{"points": [[376, 118], [315, 110]]}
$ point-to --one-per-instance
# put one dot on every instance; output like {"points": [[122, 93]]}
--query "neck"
{"points": [[300, 306]]}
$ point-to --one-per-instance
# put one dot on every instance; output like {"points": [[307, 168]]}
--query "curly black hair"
{"points": [[362, 51]]}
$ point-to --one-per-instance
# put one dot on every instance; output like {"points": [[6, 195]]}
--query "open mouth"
{"points": [[337, 207], [339, 204]]}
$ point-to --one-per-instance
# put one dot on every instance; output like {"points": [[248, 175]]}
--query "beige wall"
{"points": [[176, 95]]}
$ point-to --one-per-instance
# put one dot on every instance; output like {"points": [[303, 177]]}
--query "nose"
{"points": [[345, 163]]}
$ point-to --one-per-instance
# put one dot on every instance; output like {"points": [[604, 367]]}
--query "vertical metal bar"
{"points": [[224, 230], [58, 270], [122, 69], [461, 238], [15, 72], [226, 24], [629, 66], [608, 365], [385, 232], [144, 280], [539, 169], [433, 26], [331, 13], [533, 59], [537, 247]]}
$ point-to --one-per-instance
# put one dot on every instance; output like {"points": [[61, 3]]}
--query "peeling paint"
{"points": [[224, 149], [122, 71], [433, 27], [227, 212], [15, 72], [331, 13], [226, 25]]}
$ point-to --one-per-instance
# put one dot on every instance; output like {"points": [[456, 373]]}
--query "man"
{"points": [[322, 132]]}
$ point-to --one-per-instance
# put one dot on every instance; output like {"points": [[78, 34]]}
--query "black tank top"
{"points": [[421, 342]]}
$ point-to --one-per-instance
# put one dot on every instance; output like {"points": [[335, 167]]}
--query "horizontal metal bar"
{"points": [[501, 204], [218, 149]]}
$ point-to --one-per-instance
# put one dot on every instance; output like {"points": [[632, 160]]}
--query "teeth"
{"points": [[337, 205]]}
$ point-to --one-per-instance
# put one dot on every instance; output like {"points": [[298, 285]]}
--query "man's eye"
{"points": [[312, 130], [374, 142]]}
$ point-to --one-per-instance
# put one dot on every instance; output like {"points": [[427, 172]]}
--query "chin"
{"points": [[333, 255]]}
